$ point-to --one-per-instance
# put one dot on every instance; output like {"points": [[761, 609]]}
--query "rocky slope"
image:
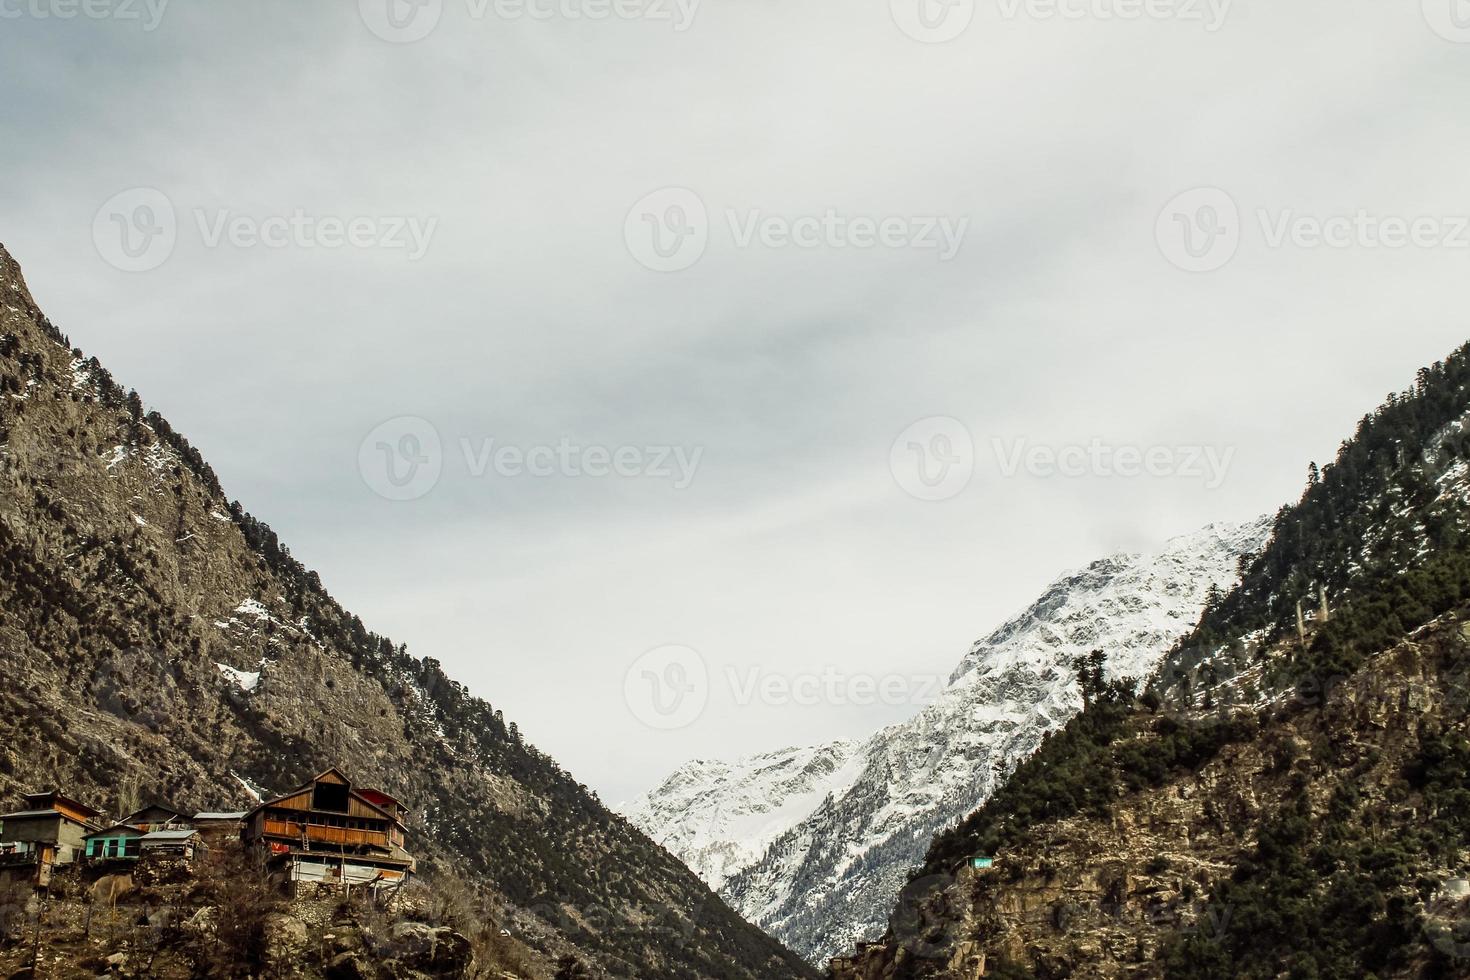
{"points": [[815, 844], [158, 640], [1291, 794]]}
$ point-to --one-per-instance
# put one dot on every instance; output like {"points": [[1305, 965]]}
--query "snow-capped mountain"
{"points": [[814, 844]]}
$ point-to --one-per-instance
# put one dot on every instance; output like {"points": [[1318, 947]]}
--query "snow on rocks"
{"points": [[245, 680], [814, 844]]}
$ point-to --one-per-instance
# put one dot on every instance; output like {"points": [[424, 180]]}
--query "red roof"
{"points": [[378, 798]]}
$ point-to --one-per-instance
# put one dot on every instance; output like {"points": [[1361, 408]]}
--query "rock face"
{"points": [[1106, 898], [1288, 796], [158, 639], [815, 844]]}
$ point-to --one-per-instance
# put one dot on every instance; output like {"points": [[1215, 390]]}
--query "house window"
{"points": [[329, 796], [112, 843]]}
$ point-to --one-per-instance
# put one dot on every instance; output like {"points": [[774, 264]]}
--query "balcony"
{"points": [[322, 834]]}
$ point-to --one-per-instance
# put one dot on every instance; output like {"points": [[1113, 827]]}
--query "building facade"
{"points": [[330, 832]]}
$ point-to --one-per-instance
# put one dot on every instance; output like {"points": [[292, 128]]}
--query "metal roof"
{"points": [[113, 829], [21, 814], [169, 835], [220, 816]]}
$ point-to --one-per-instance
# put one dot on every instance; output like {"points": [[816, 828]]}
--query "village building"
{"points": [[218, 826], [157, 817], [187, 843], [48, 831], [116, 843], [330, 832]]}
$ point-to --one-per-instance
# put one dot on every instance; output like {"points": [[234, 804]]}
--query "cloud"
{"points": [[529, 319]]}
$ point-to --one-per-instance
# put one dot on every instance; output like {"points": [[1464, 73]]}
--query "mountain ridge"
{"points": [[158, 636], [1288, 797], [853, 831]]}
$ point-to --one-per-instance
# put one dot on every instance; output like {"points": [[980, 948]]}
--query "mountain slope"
{"points": [[815, 844], [158, 639], [1288, 798]]}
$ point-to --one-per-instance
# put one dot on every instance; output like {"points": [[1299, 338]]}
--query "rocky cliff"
{"points": [[816, 844], [1289, 795], [159, 642]]}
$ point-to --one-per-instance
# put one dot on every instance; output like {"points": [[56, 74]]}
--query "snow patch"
{"points": [[255, 791], [245, 680], [814, 844]]}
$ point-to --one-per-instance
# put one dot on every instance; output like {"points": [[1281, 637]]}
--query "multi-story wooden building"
{"points": [[50, 830], [331, 832]]}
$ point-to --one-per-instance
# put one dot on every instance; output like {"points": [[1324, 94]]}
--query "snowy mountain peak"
{"points": [[813, 844]]}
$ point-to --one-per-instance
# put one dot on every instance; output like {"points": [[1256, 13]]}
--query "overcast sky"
{"points": [[817, 285]]}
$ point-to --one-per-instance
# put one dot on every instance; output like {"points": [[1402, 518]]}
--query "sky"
{"points": [[695, 378]]}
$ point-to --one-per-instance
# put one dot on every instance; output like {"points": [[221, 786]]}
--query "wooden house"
{"points": [[157, 817], [49, 830], [186, 843], [329, 831], [218, 826]]}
